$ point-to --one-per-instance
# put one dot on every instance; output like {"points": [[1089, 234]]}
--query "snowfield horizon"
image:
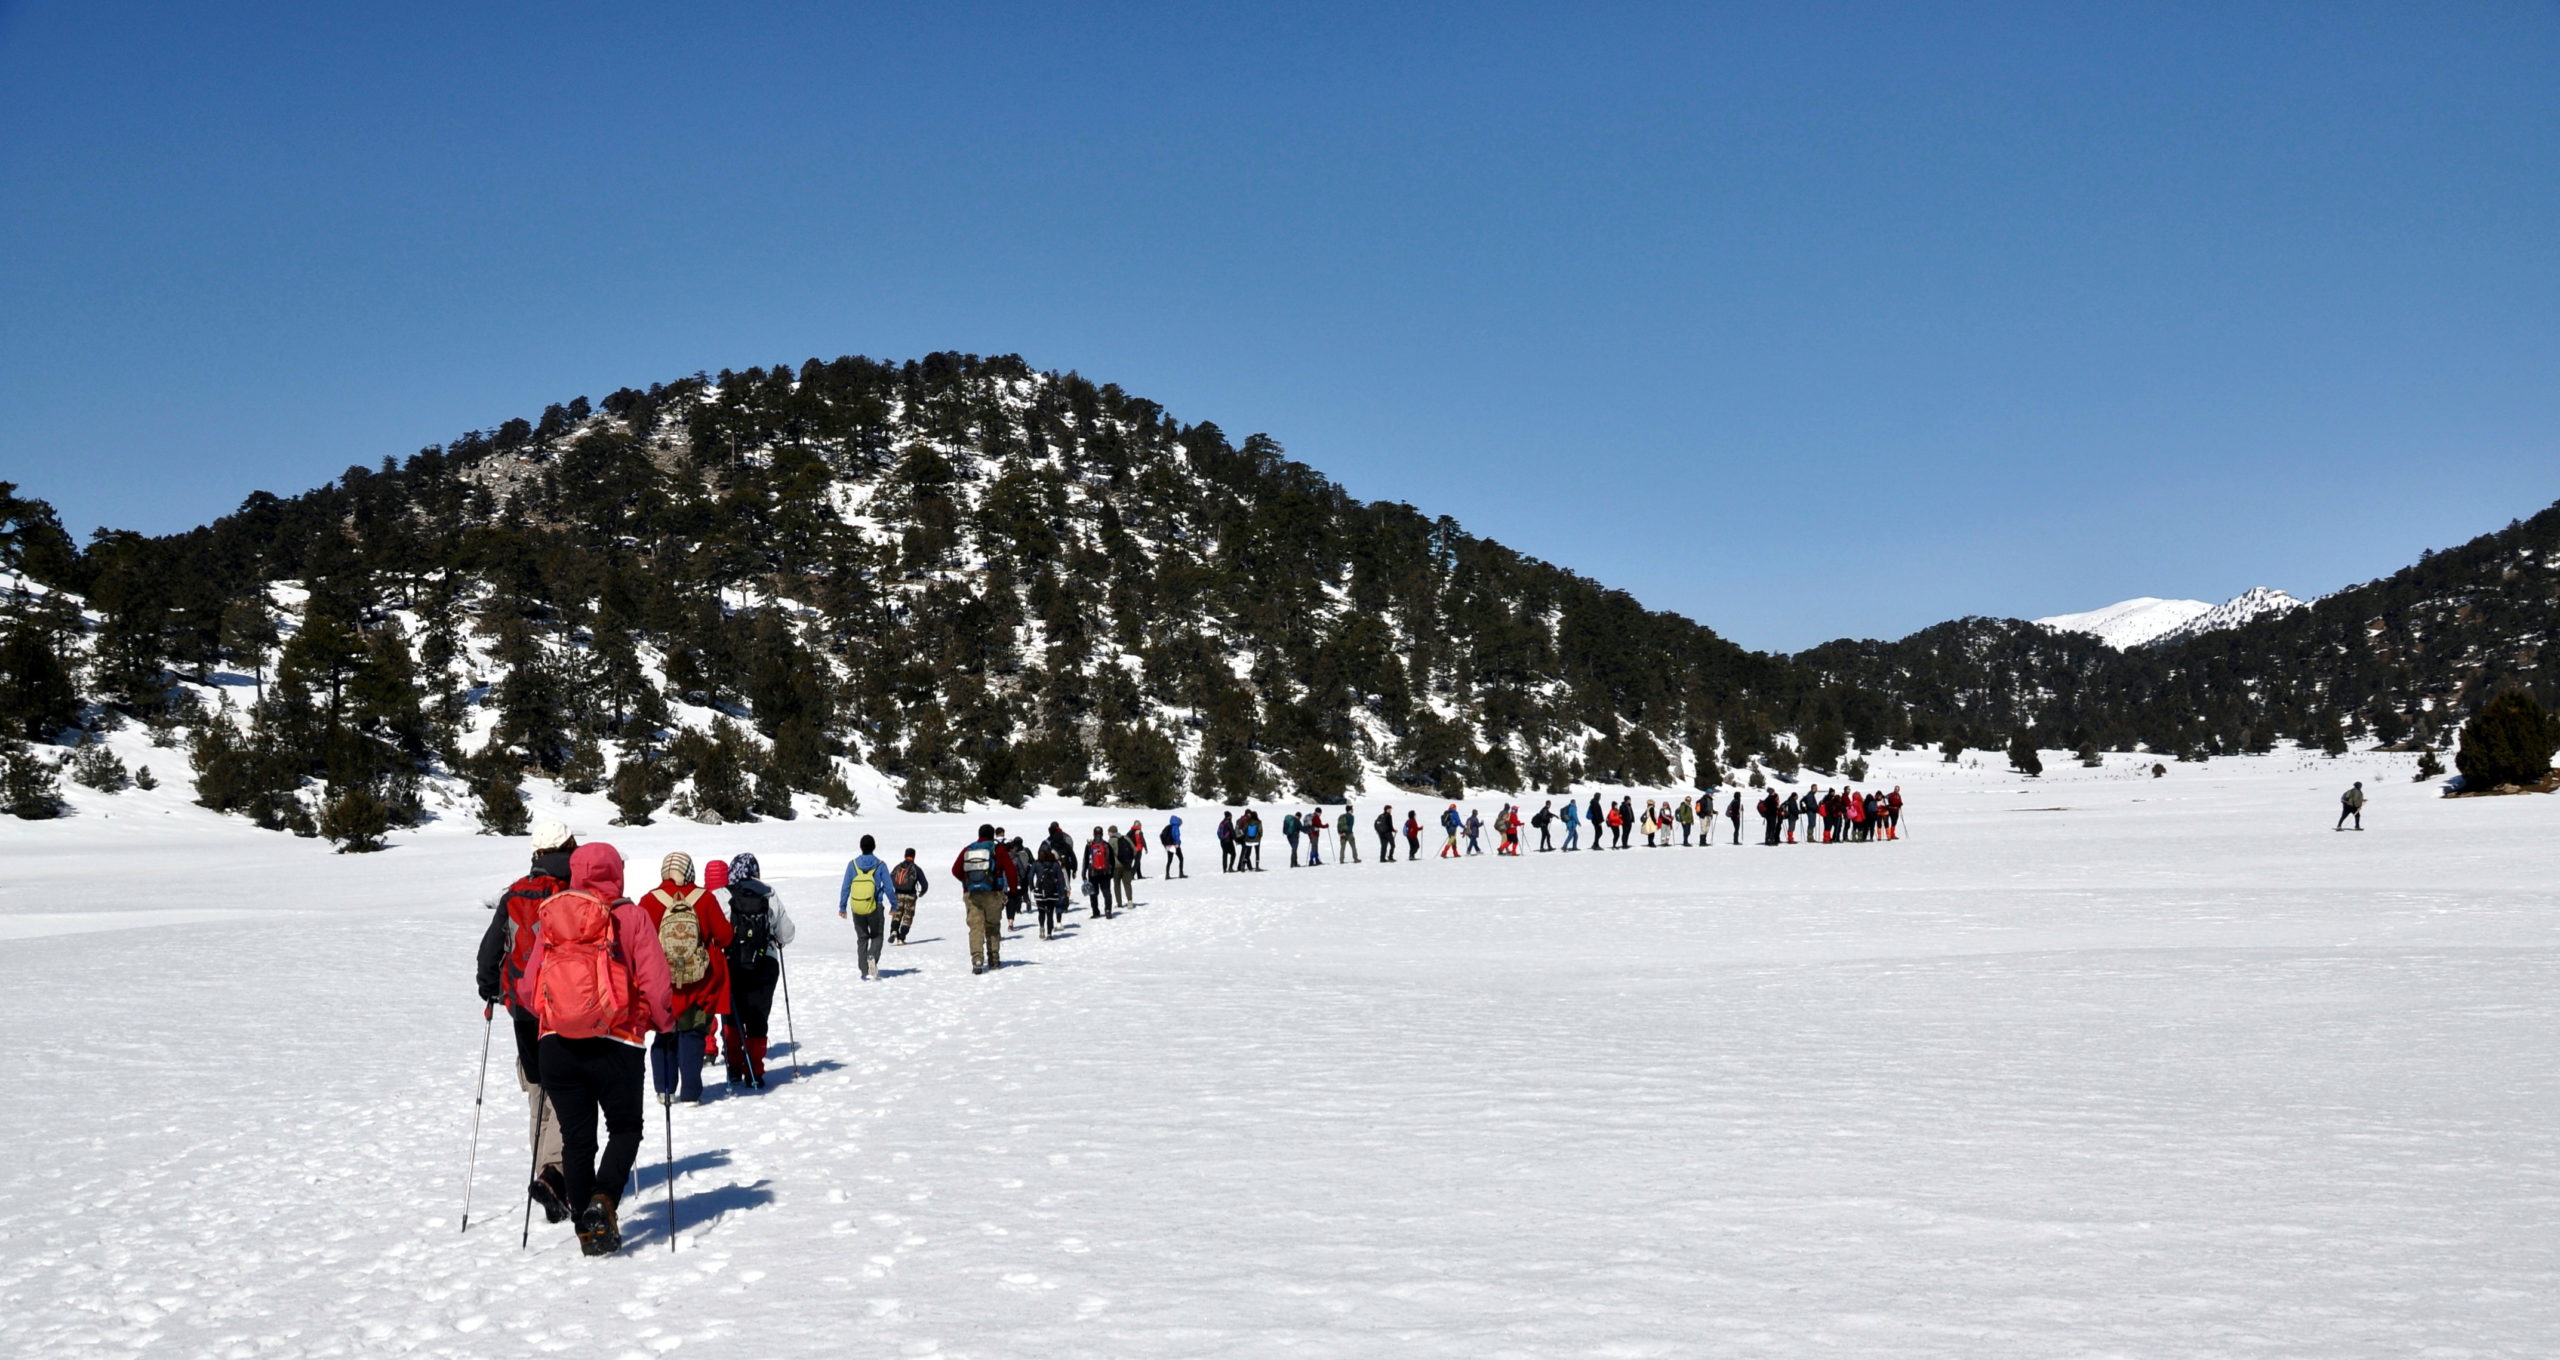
{"points": [[2097, 1063]]}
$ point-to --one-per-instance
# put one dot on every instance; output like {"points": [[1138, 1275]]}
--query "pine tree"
{"points": [[28, 787], [2023, 756], [2509, 741], [355, 819]]}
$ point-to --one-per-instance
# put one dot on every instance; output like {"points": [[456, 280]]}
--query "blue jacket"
{"points": [[881, 892], [1173, 831], [1572, 814]]}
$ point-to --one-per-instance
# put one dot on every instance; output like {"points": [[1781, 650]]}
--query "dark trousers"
{"points": [[1386, 847], [584, 1078], [1173, 860], [675, 1065], [868, 930]]}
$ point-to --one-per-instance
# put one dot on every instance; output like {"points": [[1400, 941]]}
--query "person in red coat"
{"points": [[675, 1057]]}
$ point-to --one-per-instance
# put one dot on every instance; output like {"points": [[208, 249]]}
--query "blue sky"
{"points": [[1803, 320]]}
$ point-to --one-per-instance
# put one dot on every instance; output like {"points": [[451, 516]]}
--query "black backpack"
{"points": [[751, 919]]}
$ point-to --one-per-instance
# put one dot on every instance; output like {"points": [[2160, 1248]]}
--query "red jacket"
{"points": [[1004, 865], [597, 869], [712, 992]]}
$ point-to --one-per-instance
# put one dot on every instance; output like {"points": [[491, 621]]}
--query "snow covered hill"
{"points": [[2130, 623], [2145, 620], [2255, 603], [2097, 1063]]}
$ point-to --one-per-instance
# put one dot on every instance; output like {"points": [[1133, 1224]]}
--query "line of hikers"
{"points": [[1840, 814], [592, 980]]}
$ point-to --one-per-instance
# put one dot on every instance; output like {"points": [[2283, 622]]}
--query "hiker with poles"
{"points": [[504, 947], [597, 984], [759, 931]]}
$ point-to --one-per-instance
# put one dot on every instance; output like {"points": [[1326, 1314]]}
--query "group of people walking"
{"points": [[592, 980]]}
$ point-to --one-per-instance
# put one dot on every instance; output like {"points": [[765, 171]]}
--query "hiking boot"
{"points": [[976, 969], [552, 1194], [598, 1233]]}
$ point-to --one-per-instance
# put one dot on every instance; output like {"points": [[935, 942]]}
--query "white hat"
{"points": [[550, 835]]}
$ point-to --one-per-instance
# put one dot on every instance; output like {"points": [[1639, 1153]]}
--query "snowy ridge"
{"points": [[2130, 623], [2147, 620], [2256, 603]]}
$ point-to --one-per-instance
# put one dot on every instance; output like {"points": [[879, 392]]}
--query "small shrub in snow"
{"points": [[93, 766], [2023, 756], [28, 788], [1856, 770], [2428, 768], [145, 780], [355, 821]]}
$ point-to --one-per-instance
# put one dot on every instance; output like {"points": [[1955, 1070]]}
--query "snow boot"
{"points": [[552, 1194], [755, 1063], [598, 1233]]}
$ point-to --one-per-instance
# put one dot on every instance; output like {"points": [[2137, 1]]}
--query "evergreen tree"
{"points": [[2509, 741], [28, 787], [2023, 756]]}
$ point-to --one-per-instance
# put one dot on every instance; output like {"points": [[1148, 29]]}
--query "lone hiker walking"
{"points": [[2351, 804]]}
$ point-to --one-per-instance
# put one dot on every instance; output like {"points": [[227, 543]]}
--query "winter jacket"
{"points": [[711, 993], [908, 877], [597, 869], [781, 931], [508, 941], [1172, 832], [883, 896], [1003, 865], [1572, 814]]}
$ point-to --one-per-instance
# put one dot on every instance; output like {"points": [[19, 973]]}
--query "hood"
{"points": [[597, 869], [552, 864]]}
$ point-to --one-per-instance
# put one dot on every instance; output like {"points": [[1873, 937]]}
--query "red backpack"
{"points": [[585, 985], [1097, 857]]}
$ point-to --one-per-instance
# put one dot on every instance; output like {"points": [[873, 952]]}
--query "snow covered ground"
{"points": [[2092, 1065]]}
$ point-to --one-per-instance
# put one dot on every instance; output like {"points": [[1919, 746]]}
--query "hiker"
{"points": [[759, 930], [1138, 842], [2351, 804], [1173, 847], [1450, 824], [1474, 828], [1124, 869], [1686, 816], [986, 875], [504, 947], [1049, 890], [1313, 825], [1412, 835], [1893, 814], [1097, 875], [596, 984], [909, 881], [1617, 827], [1346, 829], [1249, 831], [1015, 899], [1545, 821], [1386, 828], [1227, 844], [867, 898], [692, 933], [1733, 814], [1289, 830], [1572, 816]]}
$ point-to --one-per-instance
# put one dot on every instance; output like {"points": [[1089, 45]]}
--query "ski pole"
{"points": [[541, 1107], [471, 1175], [788, 1027], [667, 1115]]}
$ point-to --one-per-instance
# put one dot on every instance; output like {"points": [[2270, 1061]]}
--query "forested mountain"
{"points": [[723, 596], [977, 578]]}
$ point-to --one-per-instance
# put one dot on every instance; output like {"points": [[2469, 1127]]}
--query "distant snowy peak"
{"points": [[2142, 622], [2256, 603], [2131, 623]]}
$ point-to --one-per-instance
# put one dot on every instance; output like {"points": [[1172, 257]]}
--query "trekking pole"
{"points": [[787, 1027], [541, 1107], [471, 1175], [667, 1116]]}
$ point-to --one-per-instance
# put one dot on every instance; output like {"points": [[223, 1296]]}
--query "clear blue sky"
{"points": [[1803, 320]]}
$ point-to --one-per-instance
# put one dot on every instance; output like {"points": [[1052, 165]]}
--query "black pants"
{"points": [[2345, 813], [1173, 860], [1226, 857], [583, 1078], [751, 994], [1386, 847], [1546, 837], [868, 928]]}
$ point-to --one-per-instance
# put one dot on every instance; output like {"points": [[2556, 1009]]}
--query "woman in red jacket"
{"points": [[699, 971]]}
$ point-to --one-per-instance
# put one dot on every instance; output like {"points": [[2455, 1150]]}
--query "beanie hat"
{"points": [[676, 868], [550, 835], [744, 866], [716, 874]]}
